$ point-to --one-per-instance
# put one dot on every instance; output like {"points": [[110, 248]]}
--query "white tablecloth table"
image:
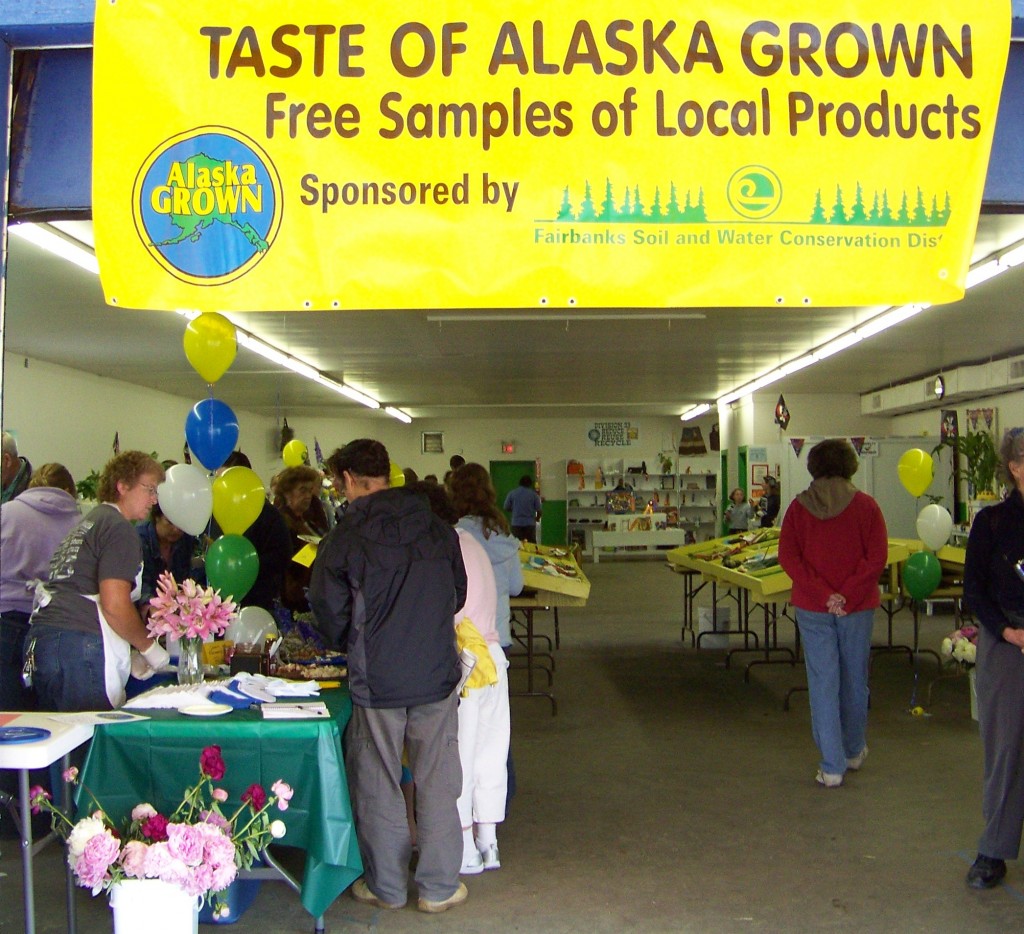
{"points": [[38, 754]]}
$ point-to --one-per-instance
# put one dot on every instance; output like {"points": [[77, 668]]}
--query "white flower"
{"points": [[81, 834], [947, 647], [277, 829], [965, 651]]}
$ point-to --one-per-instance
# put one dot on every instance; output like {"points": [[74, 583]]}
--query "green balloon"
{"points": [[232, 565], [921, 574]]}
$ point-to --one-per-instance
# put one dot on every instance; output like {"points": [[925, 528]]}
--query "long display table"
{"points": [[156, 759]]}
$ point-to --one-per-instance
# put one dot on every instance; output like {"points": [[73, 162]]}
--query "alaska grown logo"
{"points": [[207, 205]]}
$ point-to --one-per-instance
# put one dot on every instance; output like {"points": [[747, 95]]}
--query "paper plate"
{"points": [[206, 710], [22, 734]]}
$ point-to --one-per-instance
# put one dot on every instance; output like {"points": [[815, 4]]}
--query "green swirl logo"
{"points": [[754, 192]]}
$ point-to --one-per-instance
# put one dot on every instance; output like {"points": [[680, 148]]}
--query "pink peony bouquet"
{"points": [[187, 610], [197, 847], [961, 646]]}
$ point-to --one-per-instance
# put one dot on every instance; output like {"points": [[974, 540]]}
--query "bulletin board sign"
{"points": [[483, 154], [613, 434]]}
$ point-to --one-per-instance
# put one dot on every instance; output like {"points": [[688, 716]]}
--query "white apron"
{"points": [[117, 652]]}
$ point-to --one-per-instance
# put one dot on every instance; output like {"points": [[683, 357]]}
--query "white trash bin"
{"points": [[706, 623]]}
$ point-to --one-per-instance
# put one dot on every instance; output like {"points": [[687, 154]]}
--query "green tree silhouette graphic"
{"points": [[587, 207], [565, 208], [838, 215], [818, 214]]}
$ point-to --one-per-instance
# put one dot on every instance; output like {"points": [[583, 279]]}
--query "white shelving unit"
{"points": [[614, 506], [698, 503]]}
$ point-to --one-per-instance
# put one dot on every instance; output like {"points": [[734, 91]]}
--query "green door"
{"points": [[505, 477]]}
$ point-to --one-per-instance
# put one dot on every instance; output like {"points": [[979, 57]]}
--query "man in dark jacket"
{"points": [[385, 586]]}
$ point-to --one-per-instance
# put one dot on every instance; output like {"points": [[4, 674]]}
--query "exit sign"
{"points": [[508, 447]]}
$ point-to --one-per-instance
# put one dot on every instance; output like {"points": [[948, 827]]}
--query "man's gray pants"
{"points": [[374, 742]]}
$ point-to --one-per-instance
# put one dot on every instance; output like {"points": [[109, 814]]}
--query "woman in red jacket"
{"points": [[834, 546]]}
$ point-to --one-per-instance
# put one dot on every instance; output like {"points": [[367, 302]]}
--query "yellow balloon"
{"points": [[915, 470], [210, 345], [294, 453], [397, 475], [238, 499]]}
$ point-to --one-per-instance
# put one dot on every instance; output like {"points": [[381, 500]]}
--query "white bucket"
{"points": [[716, 638], [153, 906]]}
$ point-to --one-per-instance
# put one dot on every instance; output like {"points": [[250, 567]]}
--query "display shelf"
{"points": [[610, 499], [698, 501]]}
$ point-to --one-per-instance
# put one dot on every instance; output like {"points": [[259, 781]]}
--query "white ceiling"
{"points": [[555, 363]]}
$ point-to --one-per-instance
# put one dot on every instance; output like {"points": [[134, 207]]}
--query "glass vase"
{"points": [[190, 660]]}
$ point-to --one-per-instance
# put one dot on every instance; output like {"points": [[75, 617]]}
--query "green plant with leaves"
{"points": [[978, 450], [87, 488]]}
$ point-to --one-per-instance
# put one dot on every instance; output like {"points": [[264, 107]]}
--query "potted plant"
{"points": [[174, 860], [980, 460]]}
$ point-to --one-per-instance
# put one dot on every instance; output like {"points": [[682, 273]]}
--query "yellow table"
{"points": [[769, 591], [543, 591], [951, 587]]}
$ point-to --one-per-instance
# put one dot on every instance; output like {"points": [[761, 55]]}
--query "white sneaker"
{"points": [[490, 857], [472, 864], [858, 760], [828, 779]]}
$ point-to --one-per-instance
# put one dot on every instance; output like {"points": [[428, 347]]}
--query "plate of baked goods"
{"points": [[311, 672]]}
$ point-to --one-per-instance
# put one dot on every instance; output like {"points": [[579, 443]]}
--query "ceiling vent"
{"points": [[962, 384]]}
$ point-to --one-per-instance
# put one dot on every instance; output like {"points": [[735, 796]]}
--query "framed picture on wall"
{"points": [[432, 442], [757, 474]]}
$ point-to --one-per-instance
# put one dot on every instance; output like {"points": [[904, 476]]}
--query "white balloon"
{"points": [[251, 626], [934, 523], [186, 498]]}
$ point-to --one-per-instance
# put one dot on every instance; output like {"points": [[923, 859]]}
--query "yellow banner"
{"points": [[263, 156]]}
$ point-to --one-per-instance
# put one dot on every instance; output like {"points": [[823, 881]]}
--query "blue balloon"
{"points": [[211, 430]]}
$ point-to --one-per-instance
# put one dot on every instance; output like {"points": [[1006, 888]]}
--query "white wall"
{"points": [[552, 440], [68, 416], [65, 415]]}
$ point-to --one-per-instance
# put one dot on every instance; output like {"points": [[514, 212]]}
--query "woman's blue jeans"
{"points": [[69, 669], [837, 651]]}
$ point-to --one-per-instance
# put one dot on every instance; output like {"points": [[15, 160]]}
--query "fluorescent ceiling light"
{"points": [[798, 364], [561, 315], [984, 272], [354, 394], [399, 414], [59, 244], [1013, 256], [695, 411], [833, 347], [891, 318]]}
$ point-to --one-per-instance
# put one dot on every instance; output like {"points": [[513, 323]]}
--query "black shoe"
{"points": [[986, 872]]}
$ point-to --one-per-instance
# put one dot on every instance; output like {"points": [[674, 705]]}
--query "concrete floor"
{"points": [[670, 795]]}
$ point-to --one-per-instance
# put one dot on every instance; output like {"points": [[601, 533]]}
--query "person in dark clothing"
{"points": [[770, 503], [385, 586], [994, 593], [15, 471], [165, 547]]}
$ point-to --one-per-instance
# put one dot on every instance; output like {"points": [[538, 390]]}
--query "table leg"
{"points": [[273, 871], [69, 876], [771, 642], [530, 692], [26, 852], [916, 604]]}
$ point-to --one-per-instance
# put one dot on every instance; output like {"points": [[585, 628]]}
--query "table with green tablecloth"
{"points": [[155, 760]]}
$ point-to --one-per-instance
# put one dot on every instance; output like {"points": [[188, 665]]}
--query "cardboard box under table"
{"points": [[563, 583], [154, 760]]}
